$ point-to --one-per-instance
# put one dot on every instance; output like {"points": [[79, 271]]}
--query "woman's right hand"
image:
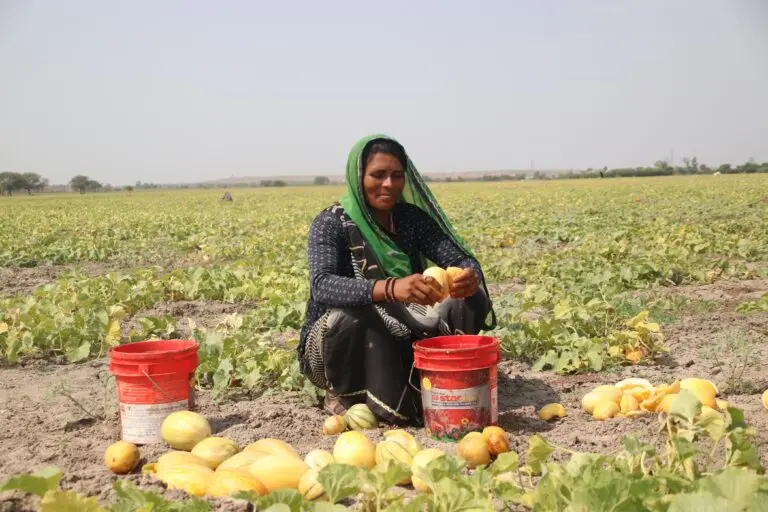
{"points": [[414, 288]]}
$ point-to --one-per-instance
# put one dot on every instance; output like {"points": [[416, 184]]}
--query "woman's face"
{"points": [[383, 181]]}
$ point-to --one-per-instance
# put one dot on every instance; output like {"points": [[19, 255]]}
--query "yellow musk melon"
{"points": [[215, 450], [227, 482], [182, 430], [194, 479], [279, 471], [318, 459], [418, 467], [355, 449], [121, 457], [272, 446], [309, 488]]}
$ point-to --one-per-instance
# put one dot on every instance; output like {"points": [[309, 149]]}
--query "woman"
{"points": [[368, 299]]}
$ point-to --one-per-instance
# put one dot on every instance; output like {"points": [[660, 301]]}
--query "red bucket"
{"points": [[458, 384], [154, 379]]}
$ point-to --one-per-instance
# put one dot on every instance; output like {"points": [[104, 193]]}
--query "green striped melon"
{"points": [[360, 417]]}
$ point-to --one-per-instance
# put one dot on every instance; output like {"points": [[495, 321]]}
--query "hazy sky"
{"points": [[181, 90]]}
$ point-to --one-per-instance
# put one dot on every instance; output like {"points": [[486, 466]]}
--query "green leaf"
{"points": [[129, 493], [68, 501], [281, 500], [37, 483], [391, 472], [734, 484], [504, 463], [538, 452], [699, 502], [685, 406], [79, 353], [340, 481]]}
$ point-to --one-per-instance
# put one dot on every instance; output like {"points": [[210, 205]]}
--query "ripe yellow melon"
{"points": [[279, 471], [309, 488], [393, 451], [177, 458], [334, 425], [605, 409], [272, 446], [704, 390], [764, 398], [121, 457], [600, 394], [405, 439], [418, 465], [318, 459], [474, 450], [665, 403], [440, 280], [242, 460], [633, 382], [355, 449], [551, 411], [182, 430], [193, 479], [628, 403], [227, 482], [215, 450]]}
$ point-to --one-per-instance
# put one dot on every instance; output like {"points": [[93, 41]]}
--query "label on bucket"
{"points": [[140, 423], [467, 398]]}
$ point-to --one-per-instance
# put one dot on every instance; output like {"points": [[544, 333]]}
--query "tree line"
{"points": [[29, 182]]}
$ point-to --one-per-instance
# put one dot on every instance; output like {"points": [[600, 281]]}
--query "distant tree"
{"points": [[10, 181], [83, 183], [279, 183], [322, 180], [128, 188], [33, 181]]}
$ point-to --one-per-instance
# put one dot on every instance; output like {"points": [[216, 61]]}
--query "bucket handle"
{"points": [[143, 369], [402, 395]]}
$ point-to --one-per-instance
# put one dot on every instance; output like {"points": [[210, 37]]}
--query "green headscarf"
{"points": [[392, 260]]}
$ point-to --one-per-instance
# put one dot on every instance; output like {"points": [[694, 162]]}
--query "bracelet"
{"points": [[386, 289], [391, 289]]}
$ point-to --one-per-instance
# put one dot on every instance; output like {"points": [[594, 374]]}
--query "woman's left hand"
{"points": [[465, 285]]}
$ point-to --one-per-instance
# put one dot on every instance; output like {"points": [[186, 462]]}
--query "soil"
{"points": [[43, 424], [21, 280]]}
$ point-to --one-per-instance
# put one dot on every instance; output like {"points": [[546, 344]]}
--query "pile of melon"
{"points": [[635, 397], [202, 464]]}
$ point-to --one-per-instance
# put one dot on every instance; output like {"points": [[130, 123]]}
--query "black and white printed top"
{"points": [[331, 277]]}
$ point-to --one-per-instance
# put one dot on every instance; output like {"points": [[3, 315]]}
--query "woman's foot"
{"points": [[333, 405]]}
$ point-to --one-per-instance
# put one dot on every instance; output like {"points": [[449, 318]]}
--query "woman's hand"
{"points": [[465, 284], [414, 288]]}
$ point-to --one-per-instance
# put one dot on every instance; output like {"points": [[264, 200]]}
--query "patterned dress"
{"points": [[347, 338]]}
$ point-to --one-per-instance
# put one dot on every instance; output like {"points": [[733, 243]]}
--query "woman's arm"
{"points": [[436, 245], [327, 286]]}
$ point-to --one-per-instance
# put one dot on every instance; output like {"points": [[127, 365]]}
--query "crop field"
{"points": [[593, 282]]}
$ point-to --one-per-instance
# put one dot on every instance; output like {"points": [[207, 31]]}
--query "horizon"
{"points": [[185, 92]]}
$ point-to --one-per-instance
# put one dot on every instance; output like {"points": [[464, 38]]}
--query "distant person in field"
{"points": [[227, 196], [368, 299]]}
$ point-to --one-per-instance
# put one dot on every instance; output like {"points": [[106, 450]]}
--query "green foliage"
{"points": [[582, 248]]}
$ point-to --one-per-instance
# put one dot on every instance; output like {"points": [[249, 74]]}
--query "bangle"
{"points": [[391, 289], [386, 289]]}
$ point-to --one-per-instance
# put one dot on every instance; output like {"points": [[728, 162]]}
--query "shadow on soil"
{"points": [[519, 392], [220, 424]]}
